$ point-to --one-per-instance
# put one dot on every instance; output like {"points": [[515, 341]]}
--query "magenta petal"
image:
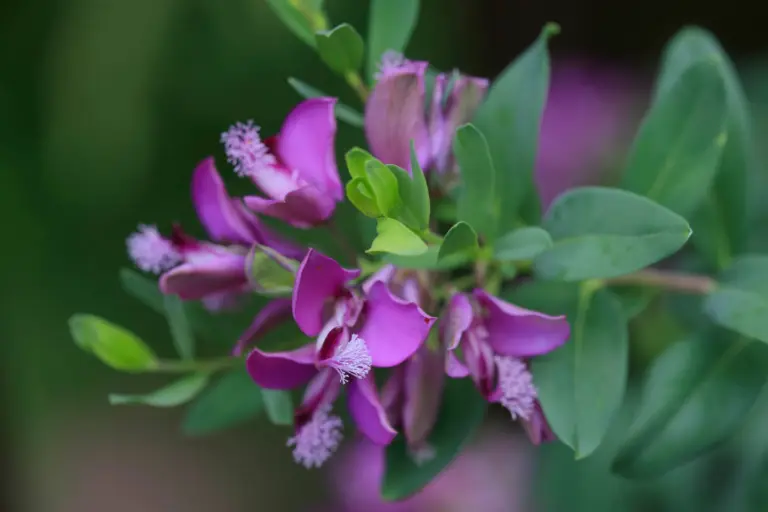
{"points": [[424, 378], [282, 370], [454, 368], [273, 314], [384, 274], [519, 332], [367, 411], [215, 273], [221, 215], [393, 329], [305, 145], [303, 208], [537, 427], [269, 238], [395, 115], [318, 280], [456, 320]]}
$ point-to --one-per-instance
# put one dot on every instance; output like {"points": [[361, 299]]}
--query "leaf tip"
{"points": [[551, 29]]}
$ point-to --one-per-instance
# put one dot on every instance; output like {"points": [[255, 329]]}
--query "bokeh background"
{"points": [[105, 108]]}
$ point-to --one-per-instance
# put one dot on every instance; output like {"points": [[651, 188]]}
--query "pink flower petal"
{"points": [[393, 329], [519, 332], [303, 208], [319, 280], [216, 273], [282, 370], [271, 315], [367, 411]]}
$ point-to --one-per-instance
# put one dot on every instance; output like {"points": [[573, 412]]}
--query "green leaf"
{"points": [[677, 150], [269, 272], [115, 346], [720, 227], [522, 244], [603, 232], [461, 414], [384, 186], [177, 393], [414, 207], [278, 405], [394, 237], [293, 18], [233, 400], [143, 289], [476, 202], [428, 260], [418, 196], [356, 159], [510, 118], [696, 394], [181, 331], [344, 112], [341, 48], [460, 239], [581, 384], [361, 196], [390, 25], [633, 299], [740, 302]]}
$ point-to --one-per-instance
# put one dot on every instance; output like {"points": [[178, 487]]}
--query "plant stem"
{"points": [[340, 238], [190, 366], [674, 281], [354, 81]]}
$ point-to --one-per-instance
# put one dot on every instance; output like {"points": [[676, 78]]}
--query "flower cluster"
{"points": [[353, 322]]}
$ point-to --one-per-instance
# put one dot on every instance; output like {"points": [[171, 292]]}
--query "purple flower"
{"points": [[296, 169], [495, 339], [492, 474], [589, 119], [353, 333], [198, 270], [395, 113]]}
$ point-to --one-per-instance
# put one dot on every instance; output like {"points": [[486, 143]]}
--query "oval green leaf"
{"points": [[510, 118], [476, 203], [720, 227], [233, 400], [384, 185], [296, 20], [740, 302], [177, 393], [602, 232], [390, 25], [181, 330], [460, 239], [461, 414], [696, 394], [394, 237], [581, 384], [341, 48], [115, 346], [522, 244], [677, 151]]}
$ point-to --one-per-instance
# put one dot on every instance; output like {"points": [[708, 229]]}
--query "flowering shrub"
{"points": [[467, 296]]}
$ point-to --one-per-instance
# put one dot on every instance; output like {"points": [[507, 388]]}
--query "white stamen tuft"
{"points": [[150, 251], [352, 359], [516, 384], [244, 149], [390, 61], [316, 441]]}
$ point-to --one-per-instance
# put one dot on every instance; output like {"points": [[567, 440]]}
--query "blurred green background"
{"points": [[105, 108]]}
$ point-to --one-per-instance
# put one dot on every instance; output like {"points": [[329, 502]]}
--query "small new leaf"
{"points": [[357, 159], [360, 195], [460, 239], [269, 272], [341, 48], [115, 346], [384, 186], [177, 393], [394, 237]]}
